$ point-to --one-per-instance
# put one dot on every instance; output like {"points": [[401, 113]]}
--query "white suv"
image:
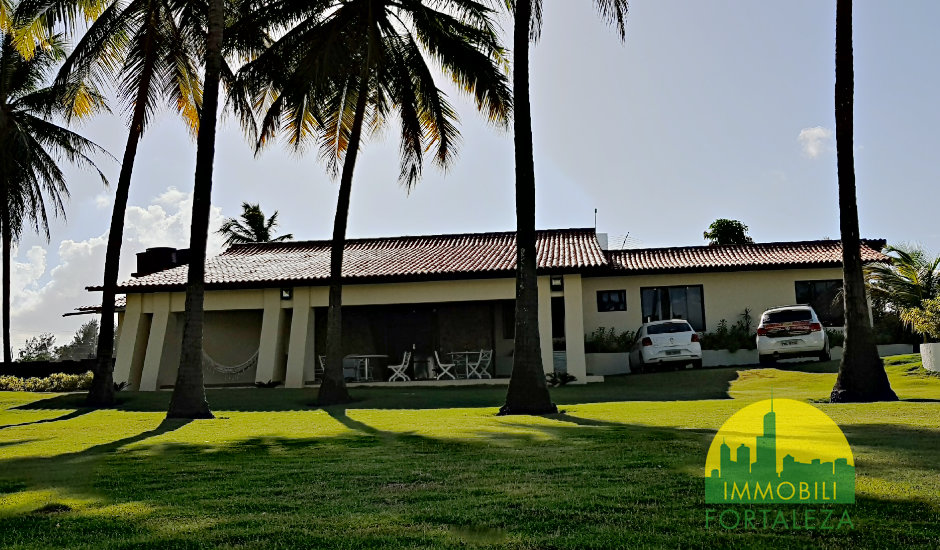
{"points": [[791, 331], [670, 343]]}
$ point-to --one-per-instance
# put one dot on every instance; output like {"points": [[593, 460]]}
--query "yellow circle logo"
{"points": [[779, 451]]}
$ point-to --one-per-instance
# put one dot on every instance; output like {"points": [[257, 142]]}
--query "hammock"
{"points": [[231, 371]]}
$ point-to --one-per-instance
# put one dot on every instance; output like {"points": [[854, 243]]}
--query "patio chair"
{"points": [[319, 370], [447, 369], [398, 371], [479, 369]]}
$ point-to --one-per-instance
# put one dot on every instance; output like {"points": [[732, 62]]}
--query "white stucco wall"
{"points": [[725, 294]]}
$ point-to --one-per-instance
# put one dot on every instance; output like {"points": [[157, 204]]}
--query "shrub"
{"points": [[732, 338], [52, 383], [925, 320], [556, 378], [606, 340], [837, 338]]}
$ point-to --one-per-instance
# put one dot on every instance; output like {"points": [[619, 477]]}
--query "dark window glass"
{"points": [[611, 300], [668, 328], [823, 296], [674, 302], [558, 317], [787, 316]]}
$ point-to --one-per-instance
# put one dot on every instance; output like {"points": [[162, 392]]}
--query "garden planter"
{"points": [[725, 358], [930, 355], [605, 364]]}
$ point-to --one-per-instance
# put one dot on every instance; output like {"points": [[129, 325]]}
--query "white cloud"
{"points": [[102, 201], [815, 141], [37, 305]]}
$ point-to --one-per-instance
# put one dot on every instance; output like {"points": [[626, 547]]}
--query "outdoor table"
{"points": [[462, 358], [365, 364]]}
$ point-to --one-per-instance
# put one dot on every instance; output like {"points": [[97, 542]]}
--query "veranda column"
{"points": [[574, 329], [270, 356], [300, 350], [545, 324], [155, 344], [131, 343]]}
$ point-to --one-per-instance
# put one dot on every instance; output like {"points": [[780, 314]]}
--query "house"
{"points": [[266, 302]]}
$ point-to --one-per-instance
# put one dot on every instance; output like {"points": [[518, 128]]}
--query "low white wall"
{"points": [[930, 355], [725, 358], [885, 350], [607, 363], [895, 349]]}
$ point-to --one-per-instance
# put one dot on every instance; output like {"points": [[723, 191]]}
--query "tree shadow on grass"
{"points": [[74, 414], [607, 485], [689, 385]]}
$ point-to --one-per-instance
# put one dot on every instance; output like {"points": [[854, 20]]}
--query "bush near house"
{"points": [[733, 337], [53, 383], [607, 340]]}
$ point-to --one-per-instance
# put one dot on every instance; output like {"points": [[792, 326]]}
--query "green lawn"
{"points": [[434, 467]]}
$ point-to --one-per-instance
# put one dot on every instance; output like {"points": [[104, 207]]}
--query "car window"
{"points": [[788, 316], [669, 328]]}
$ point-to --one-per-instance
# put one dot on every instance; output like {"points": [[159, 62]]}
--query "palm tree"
{"points": [[910, 278], [147, 50], [345, 64], [528, 393], [189, 393], [31, 143], [253, 227], [862, 375]]}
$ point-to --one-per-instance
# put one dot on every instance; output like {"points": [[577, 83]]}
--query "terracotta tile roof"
{"points": [[749, 256], [392, 258]]}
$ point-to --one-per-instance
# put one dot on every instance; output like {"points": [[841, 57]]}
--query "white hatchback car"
{"points": [[672, 343], [791, 331]]}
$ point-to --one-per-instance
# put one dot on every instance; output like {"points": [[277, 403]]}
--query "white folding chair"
{"points": [[479, 369], [318, 371], [398, 371], [447, 369]]}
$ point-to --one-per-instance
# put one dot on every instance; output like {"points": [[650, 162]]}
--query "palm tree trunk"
{"points": [[333, 387], [101, 393], [528, 392], [7, 245], [862, 375], [189, 393]]}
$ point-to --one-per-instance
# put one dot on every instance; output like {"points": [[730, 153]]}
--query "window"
{"points": [[822, 295], [674, 302], [558, 317], [611, 300]]}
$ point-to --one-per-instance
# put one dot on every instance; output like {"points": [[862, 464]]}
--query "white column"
{"points": [[574, 329], [270, 360], [545, 323], [300, 350], [131, 343], [155, 344]]}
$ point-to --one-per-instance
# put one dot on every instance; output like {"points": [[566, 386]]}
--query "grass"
{"points": [[434, 467]]}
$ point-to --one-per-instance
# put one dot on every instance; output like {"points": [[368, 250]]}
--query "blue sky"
{"points": [[709, 109]]}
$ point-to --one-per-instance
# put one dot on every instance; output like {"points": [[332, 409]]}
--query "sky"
{"points": [[720, 109]]}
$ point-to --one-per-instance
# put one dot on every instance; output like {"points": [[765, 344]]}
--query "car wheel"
{"points": [[825, 355], [697, 364], [767, 360], [639, 367]]}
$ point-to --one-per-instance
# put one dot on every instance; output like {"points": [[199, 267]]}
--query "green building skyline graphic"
{"points": [[741, 480]]}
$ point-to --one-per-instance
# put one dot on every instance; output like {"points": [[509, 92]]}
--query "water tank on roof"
{"points": [[160, 258]]}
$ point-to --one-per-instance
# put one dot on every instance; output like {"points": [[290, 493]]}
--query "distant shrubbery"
{"points": [[53, 382], [606, 340], [836, 338], [733, 337]]}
